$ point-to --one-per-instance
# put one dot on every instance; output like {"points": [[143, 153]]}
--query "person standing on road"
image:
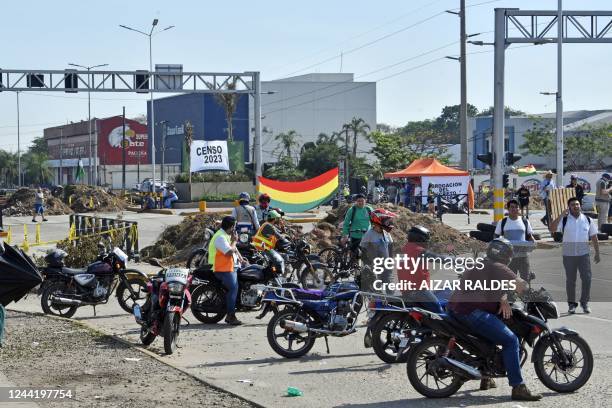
{"points": [[523, 195], [547, 186], [403, 194], [39, 205], [577, 230], [245, 214], [224, 257], [356, 222], [577, 187], [518, 231], [602, 199]]}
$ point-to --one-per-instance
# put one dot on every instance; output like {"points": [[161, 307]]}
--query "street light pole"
{"points": [[93, 170], [151, 123], [559, 98], [18, 144], [463, 114]]}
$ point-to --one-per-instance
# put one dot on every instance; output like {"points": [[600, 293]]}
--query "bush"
{"points": [[219, 197]]}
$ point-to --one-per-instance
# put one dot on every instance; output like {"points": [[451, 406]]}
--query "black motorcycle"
{"points": [[64, 289], [208, 297], [438, 366], [302, 266], [199, 256]]}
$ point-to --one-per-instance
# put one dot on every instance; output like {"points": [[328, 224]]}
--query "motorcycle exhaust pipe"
{"points": [[461, 368], [293, 326], [66, 301]]}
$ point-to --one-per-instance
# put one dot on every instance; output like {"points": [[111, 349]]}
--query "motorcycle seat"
{"points": [[460, 327], [308, 294], [74, 271]]}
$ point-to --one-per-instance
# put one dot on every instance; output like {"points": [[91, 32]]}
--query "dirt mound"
{"points": [[177, 241], [21, 203], [444, 239], [83, 198]]}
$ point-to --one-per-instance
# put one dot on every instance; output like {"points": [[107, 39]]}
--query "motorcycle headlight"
{"points": [[244, 238], [175, 287]]}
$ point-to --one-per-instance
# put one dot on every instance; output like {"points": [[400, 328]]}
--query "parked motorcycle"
{"points": [[439, 365], [302, 266], [199, 256], [208, 297], [64, 289], [309, 314], [168, 298]]}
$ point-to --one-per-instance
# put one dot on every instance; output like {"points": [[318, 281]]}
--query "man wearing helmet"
{"points": [[245, 214], [263, 207], [269, 233], [376, 243], [483, 312]]}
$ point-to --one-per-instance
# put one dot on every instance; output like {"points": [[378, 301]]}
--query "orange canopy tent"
{"points": [[426, 167]]}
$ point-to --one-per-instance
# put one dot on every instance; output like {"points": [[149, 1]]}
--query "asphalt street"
{"points": [[240, 360]]}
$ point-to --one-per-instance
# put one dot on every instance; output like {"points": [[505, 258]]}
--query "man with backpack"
{"points": [[577, 230], [356, 222], [516, 230], [245, 214]]}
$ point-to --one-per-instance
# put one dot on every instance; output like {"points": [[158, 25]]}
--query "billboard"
{"points": [[110, 137]]}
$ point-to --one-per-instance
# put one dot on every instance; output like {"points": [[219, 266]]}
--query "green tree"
{"points": [[448, 121], [36, 169], [287, 144], [357, 126], [508, 111], [284, 170], [588, 147], [390, 151], [8, 168], [319, 157], [539, 140]]}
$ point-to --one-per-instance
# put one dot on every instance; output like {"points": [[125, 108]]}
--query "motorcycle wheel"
{"points": [[385, 345], [552, 372], [208, 295], [275, 332], [316, 278], [197, 258], [139, 286], [332, 258], [171, 327], [420, 373], [55, 309], [146, 336]]}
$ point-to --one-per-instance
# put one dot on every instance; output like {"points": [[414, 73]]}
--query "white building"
{"points": [[312, 104]]}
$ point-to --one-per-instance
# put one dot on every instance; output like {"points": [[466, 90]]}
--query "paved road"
{"points": [[352, 376]]}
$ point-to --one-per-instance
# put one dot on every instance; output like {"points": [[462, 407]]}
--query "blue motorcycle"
{"points": [[310, 314]]}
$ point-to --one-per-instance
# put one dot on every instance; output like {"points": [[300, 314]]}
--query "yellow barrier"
{"points": [[202, 206]]}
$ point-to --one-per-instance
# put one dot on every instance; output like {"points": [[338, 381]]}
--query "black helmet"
{"points": [[418, 233], [500, 250]]}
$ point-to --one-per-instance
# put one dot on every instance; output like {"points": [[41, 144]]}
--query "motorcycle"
{"points": [[199, 256], [309, 314], [208, 297], [439, 365], [64, 289], [302, 266], [168, 298]]}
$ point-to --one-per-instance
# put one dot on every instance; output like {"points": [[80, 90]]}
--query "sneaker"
{"points": [[586, 308], [572, 309], [44, 219], [232, 320], [33, 219], [522, 393], [487, 384]]}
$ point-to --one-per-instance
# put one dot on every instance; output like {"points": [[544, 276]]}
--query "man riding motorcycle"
{"points": [[263, 208], [224, 257], [245, 214], [479, 310], [269, 233]]}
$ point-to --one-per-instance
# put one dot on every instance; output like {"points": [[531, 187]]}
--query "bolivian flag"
{"points": [[300, 196], [526, 171]]}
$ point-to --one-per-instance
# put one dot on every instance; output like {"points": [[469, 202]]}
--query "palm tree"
{"points": [[358, 127], [287, 142], [36, 167], [188, 142], [229, 102], [8, 168]]}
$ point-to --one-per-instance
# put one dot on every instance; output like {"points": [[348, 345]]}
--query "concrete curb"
{"points": [[154, 211], [141, 350]]}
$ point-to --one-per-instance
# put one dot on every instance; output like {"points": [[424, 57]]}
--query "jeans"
{"points": [[168, 201], [573, 265], [230, 281], [493, 329]]}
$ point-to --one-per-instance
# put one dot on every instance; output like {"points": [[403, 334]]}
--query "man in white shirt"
{"points": [[578, 230], [518, 231]]}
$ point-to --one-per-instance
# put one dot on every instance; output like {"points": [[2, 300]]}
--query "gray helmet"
{"points": [[418, 233], [244, 196], [500, 250]]}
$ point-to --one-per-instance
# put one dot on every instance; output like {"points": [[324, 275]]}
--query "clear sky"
{"points": [[283, 38]]}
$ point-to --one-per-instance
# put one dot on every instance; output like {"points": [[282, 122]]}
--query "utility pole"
{"points": [[61, 169], [123, 154], [138, 167], [497, 148], [559, 98], [257, 122], [463, 114], [19, 179], [163, 149]]}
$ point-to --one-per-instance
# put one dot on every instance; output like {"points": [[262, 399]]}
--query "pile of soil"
{"points": [[84, 198], [177, 241], [444, 239], [21, 203]]}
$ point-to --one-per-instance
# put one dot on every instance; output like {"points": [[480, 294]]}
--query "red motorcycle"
{"points": [[168, 297]]}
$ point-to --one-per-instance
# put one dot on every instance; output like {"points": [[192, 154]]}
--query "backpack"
{"points": [[505, 219], [368, 209]]}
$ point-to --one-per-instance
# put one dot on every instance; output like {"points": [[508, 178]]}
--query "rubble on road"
{"points": [[21, 203], [82, 198]]}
